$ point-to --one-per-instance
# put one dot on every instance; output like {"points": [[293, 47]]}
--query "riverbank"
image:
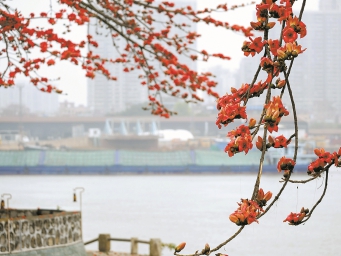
{"points": [[96, 253], [188, 208]]}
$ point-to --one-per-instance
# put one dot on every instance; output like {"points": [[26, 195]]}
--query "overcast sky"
{"points": [[216, 40]]}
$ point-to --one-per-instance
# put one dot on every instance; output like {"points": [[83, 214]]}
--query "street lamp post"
{"points": [[9, 196], [81, 190]]}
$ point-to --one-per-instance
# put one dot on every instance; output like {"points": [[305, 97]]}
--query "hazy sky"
{"points": [[73, 81]]}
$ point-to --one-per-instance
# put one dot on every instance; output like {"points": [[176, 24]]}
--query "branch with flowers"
{"points": [[146, 34], [277, 61]]}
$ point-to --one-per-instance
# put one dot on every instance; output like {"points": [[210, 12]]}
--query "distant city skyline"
{"points": [[315, 77], [26, 97], [108, 97], [72, 78]]}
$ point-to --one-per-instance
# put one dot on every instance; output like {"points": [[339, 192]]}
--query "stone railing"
{"points": [[26, 230], [155, 245]]}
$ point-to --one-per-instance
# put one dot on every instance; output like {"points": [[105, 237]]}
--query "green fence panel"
{"points": [[132, 158], [135, 158], [19, 158], [221, 158], [79, 158]]}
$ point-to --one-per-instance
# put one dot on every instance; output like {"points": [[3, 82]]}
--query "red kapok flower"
{"points": [[263, 198], [296, 218], [298, 26], [285, 164], [50, 62], [289, 35], [280, 142], [324, 158], [266, 64], [246, 213], [274, 45], [256, 44]]}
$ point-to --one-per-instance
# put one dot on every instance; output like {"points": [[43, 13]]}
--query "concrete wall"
{"points": [[76, 249], [25, 232]]}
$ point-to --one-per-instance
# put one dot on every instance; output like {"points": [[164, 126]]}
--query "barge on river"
{"points": [[140, 162]]}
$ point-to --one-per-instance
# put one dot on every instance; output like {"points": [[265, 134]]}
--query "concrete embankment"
{"points": [[96, 253]]}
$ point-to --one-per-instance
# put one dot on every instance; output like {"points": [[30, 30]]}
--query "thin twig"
{"points": [[228, 240], [294, 113], [276, 197], [320, 200], [303, 181]]}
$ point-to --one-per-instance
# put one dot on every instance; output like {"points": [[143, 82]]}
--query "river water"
{"points": [[189, 208]]}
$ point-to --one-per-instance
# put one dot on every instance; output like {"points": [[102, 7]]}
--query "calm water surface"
{"points": [[190, 208]]}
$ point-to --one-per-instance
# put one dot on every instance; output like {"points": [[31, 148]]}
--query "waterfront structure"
{"points": [[40, 232], [105, 96], [129, 161], [315, 76], [62, 127]]}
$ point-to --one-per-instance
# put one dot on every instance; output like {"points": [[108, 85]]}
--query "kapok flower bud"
{"points": [[317, 151], [304, 210], [233, 90], [252, 123], [280, 83], [270, 25], [260, 194], [180, 247], [281, 54], [263, 198], [234, 218], [301, 217], [275, 115], [259, 143], [257, 25], [206, 250], [271, 140], [267, 196]]}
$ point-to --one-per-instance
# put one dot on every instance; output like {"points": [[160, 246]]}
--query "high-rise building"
{"points": [[105, 96], [315, 77], [329, 5]]}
